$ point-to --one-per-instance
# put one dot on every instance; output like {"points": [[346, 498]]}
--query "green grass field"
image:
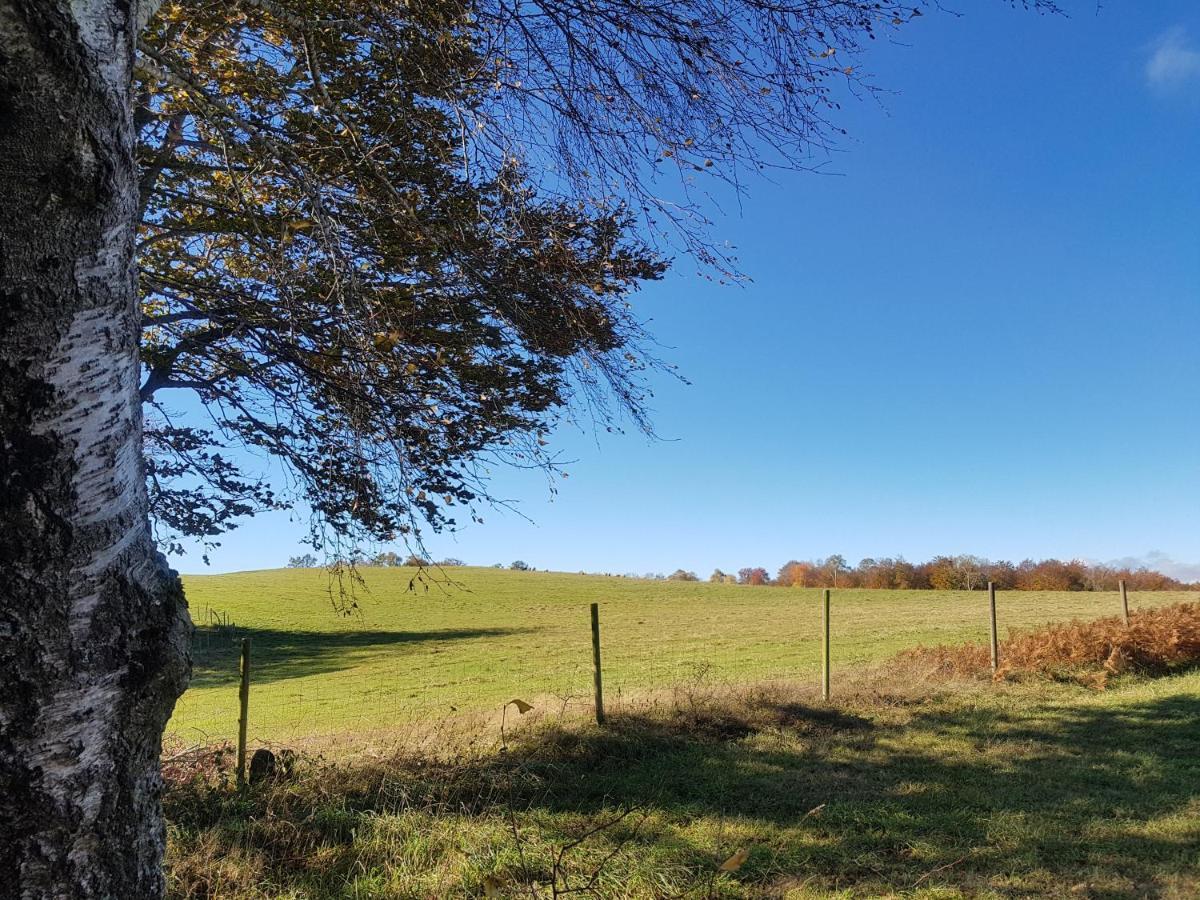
{"points": [[901, 787], [965, 791], [408, 657]]}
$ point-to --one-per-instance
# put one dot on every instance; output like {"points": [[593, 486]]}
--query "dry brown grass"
{"points": [[1156, 642]]}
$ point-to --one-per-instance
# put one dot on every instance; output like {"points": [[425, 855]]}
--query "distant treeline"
{"points": [[948, 573], [942, 573]]}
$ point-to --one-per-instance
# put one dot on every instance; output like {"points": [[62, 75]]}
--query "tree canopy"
{"points": [[387, 244], [321, 271]]}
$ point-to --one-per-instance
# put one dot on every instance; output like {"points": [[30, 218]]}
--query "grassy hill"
{"points": [[451, 650], [903, 787]]}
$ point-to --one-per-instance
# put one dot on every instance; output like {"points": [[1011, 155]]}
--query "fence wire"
{"points": [[359, 687]]}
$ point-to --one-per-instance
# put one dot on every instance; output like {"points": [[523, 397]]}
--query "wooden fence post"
{"points": [[1124, 603], [995, 637], [825, 648], [243, 718], [596, 663]]}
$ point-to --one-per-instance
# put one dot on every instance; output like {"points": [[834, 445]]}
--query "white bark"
{"points": [[93, 629]]}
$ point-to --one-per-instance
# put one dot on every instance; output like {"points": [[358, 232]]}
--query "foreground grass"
{"points": [[416, 657], [976, 790]]}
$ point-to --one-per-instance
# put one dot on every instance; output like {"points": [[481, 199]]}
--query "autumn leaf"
{"points": [[291, 226], [385, 341], [736, 861]]}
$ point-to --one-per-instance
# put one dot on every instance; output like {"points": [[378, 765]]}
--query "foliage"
{"points": [[794, 574], [388, 243], [303, 561], [753, 575], [519, 566], [340, 288], [970, 573], [682, 575], [1156, 642]]}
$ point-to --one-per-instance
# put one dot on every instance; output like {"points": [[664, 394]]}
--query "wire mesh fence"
{"points": [[359, 686]]}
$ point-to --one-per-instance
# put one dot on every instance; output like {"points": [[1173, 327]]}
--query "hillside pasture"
{"points": [[405, 658], [967, 790]]}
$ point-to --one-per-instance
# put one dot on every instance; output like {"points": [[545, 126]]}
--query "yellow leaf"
{"points": [[736, 861], [521, 705]]}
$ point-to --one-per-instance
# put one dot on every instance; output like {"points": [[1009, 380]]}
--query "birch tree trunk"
{"points": [[93, 628]]}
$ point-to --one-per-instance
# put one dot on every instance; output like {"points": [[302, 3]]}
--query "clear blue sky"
{"points": [[980, 333]]}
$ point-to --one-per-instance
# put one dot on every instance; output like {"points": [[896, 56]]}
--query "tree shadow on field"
{"points": [[278, 655], [963, 796], [1061, 801]]}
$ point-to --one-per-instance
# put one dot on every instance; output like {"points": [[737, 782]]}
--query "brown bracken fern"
{"points": [[1155, 642]]}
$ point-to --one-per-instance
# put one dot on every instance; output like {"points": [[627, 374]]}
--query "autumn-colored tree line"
{"points": [[954, 573]]}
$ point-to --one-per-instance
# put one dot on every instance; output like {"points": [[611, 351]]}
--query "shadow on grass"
{"points": [[1062, 798], [277, 655], [1054, 800]]}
